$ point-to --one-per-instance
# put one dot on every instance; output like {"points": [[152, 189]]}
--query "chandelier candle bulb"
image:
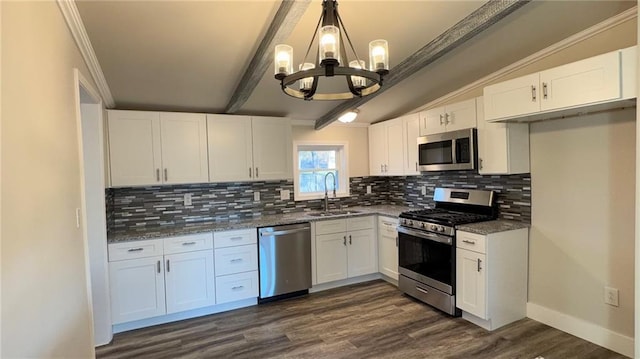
{"points": [[307, 82], [358, 81], [329, 43], [378, 55], [283, 59]]}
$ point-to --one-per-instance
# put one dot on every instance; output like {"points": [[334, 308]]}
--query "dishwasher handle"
{"points": [[285, 232]]}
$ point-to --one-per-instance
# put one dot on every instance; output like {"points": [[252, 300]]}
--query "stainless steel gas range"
{"points": [[427, 245]]}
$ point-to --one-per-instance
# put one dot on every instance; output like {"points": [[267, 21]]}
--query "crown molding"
{"points": [[74, 21], [594, 30]]}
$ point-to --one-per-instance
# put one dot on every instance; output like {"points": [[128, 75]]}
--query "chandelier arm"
{"points": [[353, 88], [344, 29], [314, 87], [313, 38]]}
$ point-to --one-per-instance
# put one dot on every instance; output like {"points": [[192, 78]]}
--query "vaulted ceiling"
{"points": [[190, 55]]}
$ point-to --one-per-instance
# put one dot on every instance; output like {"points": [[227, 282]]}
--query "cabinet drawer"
{"points": [[387, 224], [331, 226], [236, 259], [471, 241], [190, 243], [358, 223], [135, 249], [234, 238], [234, 287]]}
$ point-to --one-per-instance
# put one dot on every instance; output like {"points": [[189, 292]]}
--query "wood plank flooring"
{"points": [[368, 320]]}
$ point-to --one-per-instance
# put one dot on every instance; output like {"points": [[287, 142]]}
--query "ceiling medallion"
{"points": [[331, 52]]}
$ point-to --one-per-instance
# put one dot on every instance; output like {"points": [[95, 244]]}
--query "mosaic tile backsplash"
{"points": [[135, 207]]}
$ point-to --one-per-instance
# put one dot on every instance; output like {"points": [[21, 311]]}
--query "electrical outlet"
{"points": [[256, 196], [368, 189], [285, 194], [611, 296], [187, 199], [423, 190]]}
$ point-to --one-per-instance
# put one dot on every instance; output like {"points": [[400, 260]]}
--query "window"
{"points": [[312, 164]]}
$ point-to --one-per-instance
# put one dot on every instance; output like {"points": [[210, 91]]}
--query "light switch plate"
{"points": [[187, 199], [285, 194], [611, 296], [256, 196], [368, 189]]}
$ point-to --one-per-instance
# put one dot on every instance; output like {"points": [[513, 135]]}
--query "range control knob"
{"points": [[422, 225], [434, 227], [440, 229], [411, 223]]}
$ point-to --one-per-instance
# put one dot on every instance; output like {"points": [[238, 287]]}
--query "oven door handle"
{"points": [[426, 235]]}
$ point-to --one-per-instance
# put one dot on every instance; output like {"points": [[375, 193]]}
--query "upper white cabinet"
{"points": [[411, 127], [503, 148], [386, 149], [597, 80], [457, 116], [244, 148], [148, 148]]}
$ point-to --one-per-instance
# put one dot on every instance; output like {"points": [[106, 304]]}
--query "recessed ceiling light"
{"points": [[348, 116]]}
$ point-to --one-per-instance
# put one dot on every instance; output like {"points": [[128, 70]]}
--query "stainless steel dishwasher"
{"points": [[285, 261]]}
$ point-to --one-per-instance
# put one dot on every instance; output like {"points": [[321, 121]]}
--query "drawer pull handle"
{"points": [[236, 260], [235, 238], [238, 287], [168, 266], [479, 262], [188, 243], [135, 249], [421, 290], [467, 241], [350, 242]]}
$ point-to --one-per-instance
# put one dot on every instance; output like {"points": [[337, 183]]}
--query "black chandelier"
{"points": [[331, 52]]}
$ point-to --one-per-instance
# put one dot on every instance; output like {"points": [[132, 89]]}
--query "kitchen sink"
{"points": [[332, 213]]}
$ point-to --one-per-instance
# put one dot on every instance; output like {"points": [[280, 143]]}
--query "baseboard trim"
{"points": [[582, 329]]}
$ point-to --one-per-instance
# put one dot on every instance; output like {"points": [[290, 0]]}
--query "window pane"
{"points": [[320, 181], [305, 160], [325, 159], [307, 182]]}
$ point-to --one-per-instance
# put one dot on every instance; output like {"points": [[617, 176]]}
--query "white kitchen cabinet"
{"points": [[453, 117], [386, 148], [344, 254], [156, 277], [503, 148], [388, 247], [236, 265], [595, 80], [148, 148], [491, 277], [411, 128], [189, 280], [137, 289], [244, 148]]}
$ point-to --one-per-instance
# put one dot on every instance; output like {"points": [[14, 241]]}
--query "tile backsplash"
{"points": [[135, 207]]}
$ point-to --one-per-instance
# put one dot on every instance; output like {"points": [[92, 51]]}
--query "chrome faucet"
{"points": [[326, 191]]}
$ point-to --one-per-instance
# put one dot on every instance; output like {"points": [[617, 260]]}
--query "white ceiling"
{"points": [[189, 55]]}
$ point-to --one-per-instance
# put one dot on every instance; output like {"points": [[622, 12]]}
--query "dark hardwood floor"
{"points": [[369, 320]]}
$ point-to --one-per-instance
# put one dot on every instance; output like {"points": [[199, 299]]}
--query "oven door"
{"points": [[428, 258], [454, 150]]}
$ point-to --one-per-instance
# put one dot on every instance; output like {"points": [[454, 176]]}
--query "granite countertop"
{"points": [[489, 227], [263, 221]]}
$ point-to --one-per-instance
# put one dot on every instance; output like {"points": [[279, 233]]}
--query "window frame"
{"points": [[342, 157]]}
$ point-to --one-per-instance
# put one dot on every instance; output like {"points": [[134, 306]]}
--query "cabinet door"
{"points": [[377, 149], [272, 148], [511, 98], [579, 83], [492, 145], [137, 289], [395, 147], [134, 148], [460, 115], [184, 148], [432, 121], [189, 280], [331, 257], [361, 253], [230, 148], [411, 134], [471, 284], [388, 247]]}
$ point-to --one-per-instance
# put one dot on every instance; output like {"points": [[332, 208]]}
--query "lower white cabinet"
{"points": [[236, 257], [491, 277], [189, 280], [388, 246], [345, 248]]}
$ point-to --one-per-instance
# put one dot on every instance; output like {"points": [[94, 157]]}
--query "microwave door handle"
{"points": [[454, 154]]}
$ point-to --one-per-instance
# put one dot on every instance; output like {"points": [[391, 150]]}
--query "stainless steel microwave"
{"points": [[455, 150]]}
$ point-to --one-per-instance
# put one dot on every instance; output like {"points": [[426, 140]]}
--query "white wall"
{"points": [[583, 210], [357, 137], [45, 309]]}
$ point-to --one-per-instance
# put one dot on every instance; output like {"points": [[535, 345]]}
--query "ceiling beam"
{"points": [[479, 20], [285, 20]]}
